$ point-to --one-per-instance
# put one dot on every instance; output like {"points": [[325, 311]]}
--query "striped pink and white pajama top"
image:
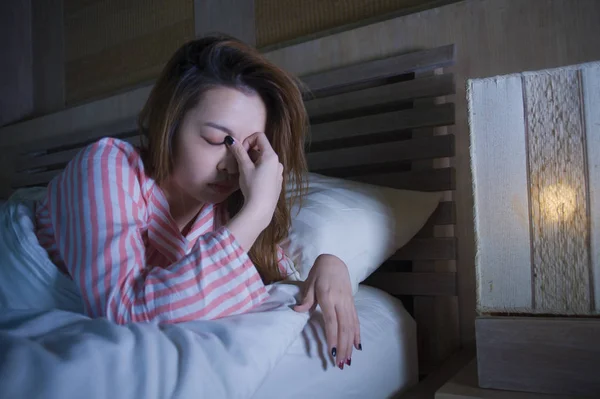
{"points": [[106, 224]]}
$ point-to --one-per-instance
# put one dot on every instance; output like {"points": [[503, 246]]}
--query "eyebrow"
{"points": [[219, 127]]}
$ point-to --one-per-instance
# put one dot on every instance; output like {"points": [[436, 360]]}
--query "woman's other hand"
{"points": [[328, 285]]}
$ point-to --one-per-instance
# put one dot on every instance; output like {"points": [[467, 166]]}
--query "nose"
{"points": [[228, 164]]}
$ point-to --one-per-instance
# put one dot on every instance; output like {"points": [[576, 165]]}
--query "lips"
{"points": [[221, 187]]}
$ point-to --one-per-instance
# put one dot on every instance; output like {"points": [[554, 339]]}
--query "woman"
{"points": [[188, 227]]}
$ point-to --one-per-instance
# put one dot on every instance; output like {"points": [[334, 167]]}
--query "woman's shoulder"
{"points": [[109, 156], [109, 147], [106, 161], [111, 153]]}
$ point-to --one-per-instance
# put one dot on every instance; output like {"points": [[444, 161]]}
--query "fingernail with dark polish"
{"points": [[341, 365], [229, 140], [349, 361], [359, 347], [333, 352]]}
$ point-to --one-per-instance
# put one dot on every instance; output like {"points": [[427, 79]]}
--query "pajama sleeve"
{"points": [[97, 213]]}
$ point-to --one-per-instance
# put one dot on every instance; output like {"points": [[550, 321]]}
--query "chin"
{"points": [[215, 196]]}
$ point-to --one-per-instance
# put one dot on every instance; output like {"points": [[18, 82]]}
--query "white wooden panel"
{"points": [[498, 151], [591, 101], [557, 192]]}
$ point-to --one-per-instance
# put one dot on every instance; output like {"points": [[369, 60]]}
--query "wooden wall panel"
{"points": [[48, 53], [280, 21], [533, 222], [111, 45], [558, 193], [234, 17], [590, 79], [16, 78], [500, 189]]}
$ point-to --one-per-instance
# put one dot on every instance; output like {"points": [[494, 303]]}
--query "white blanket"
{"points": [[51, 353], [93, 358]]}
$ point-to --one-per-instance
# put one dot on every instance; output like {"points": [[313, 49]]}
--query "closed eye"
{"points": [[213, 143]]}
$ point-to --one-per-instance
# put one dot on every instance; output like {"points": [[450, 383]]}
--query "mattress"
{"points": [[386, 366]]}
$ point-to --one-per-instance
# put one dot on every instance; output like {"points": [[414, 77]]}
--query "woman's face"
{"points": [[204, 169]]}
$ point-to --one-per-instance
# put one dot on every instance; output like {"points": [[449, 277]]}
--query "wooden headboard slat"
{"points": [[439, 115], [405, 150], [431, 86], [33, 172], [57, 158], [25, 179], [122, 128], [444, 214], [42, 160], [438, 248], [417, 61], [442, 179], [364, 169], [415, 283]]}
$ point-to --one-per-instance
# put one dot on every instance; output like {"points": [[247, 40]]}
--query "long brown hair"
{"points": [[221, 60]]}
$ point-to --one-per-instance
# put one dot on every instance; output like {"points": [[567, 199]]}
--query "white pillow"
{"points": [[362, 224]]}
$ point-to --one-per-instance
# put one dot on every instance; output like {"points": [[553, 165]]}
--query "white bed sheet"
{"points": [[386, 366], [57, 354]]}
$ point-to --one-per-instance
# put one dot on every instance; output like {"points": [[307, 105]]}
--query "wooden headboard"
{"points": [[383, 122], [379, 122]]}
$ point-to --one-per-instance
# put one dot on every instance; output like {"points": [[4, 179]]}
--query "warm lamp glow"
{"points": [[558, 202]]}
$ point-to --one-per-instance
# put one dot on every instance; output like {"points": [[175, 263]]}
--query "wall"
{"points": [[279, 22], [492, 37], [114, 45], [48, 56], [82, 51], [32, 68], [93, 49], [16, 82]]}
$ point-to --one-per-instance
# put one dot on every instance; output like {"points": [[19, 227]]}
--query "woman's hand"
{"points": [[261, 176], [328, 285]]}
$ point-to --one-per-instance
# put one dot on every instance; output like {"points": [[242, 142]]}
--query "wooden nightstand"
{"points": [[464, 386], [457, 379]]}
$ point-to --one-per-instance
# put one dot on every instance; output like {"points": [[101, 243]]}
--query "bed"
{"points": [[380, 122]]}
